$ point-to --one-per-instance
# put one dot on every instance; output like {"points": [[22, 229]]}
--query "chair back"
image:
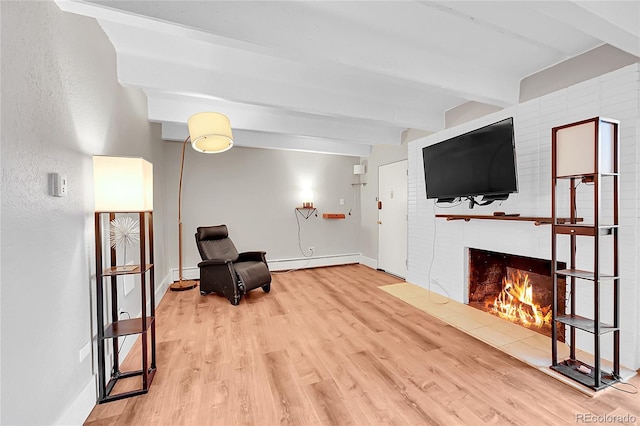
{"points": [[214, 243]]}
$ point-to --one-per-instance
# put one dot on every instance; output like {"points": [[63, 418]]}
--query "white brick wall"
{"points": [[437, 248]]}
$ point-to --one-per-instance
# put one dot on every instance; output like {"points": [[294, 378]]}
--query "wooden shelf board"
{"points": [[537, 220], [585, 324], [584, 229], [468, 217], [333, 215], [586, 275], [126, 327], [109, 272]]}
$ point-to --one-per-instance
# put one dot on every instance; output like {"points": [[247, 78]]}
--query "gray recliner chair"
{"points": [[225, 271]]}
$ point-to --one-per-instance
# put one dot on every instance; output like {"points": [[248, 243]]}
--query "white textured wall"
{"points": [[61, 104], [254, 192], [438, 248]]}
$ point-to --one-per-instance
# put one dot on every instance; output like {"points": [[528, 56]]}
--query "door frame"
{"points": [[403, 216]]}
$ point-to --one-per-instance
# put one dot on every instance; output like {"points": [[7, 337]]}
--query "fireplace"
{"points": [[516, 288]]}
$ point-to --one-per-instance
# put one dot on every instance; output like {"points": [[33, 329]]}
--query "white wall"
{"points": [[61, 104], [380, 155], [254, 192], [437, 248]]}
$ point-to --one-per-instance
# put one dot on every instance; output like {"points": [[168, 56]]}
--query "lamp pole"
{"points": [[210, 133], [181, 284]]}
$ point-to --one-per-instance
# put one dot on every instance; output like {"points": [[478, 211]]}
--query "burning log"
{"points": [[519, 303], [515, 303]]}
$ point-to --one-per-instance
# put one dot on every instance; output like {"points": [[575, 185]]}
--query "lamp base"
{"points": [[183, 285]]}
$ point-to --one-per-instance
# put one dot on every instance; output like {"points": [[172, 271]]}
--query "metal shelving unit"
{"points": [[586, 152], [111, 327]]}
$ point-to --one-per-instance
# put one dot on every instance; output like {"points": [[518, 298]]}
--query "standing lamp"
{"points": [[210, 133], [124, 185]]}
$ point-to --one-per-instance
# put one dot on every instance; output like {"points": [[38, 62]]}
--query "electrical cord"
{"points": [[125, 337], [299, 239], [301, 250], [626, 391], [459, 200]]}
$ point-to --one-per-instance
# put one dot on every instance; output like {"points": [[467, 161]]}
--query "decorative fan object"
{"points": [[124, 231]]}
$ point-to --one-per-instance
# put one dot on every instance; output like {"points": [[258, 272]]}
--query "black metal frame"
{"points": [[591, 376], [120, 328], [306, 212]]}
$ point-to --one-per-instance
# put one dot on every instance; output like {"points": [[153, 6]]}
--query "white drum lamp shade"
{"points": [[122, 184], [586, 147], [358, 169], [210, 132]]}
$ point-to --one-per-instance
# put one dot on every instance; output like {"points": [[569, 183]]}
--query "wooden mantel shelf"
{"points": [[537, 221]]}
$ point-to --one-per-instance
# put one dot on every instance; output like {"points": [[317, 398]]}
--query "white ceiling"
{"points": [[342, 76]]}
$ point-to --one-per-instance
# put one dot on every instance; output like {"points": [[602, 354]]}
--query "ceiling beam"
{"points": [[177, 108], [614, 22], [254, 139]]}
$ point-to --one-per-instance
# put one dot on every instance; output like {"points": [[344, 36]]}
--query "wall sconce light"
{"points": [[307, 196], [359, 170], [210, 133]]}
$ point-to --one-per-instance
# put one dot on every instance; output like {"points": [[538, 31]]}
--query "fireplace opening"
{"points": [[515, 288]]}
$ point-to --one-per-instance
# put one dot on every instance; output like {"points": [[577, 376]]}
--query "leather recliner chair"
{"points": [[225, 271]]}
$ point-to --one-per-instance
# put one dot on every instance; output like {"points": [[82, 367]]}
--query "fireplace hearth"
{"points": [[515, 288]]}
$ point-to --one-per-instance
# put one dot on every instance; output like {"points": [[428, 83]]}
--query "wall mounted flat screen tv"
{"points": [[478, 163]]}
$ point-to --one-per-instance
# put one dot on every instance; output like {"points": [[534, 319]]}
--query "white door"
{"points": [[392, 218]]}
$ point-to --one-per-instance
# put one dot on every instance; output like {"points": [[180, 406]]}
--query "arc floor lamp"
{"points": [[210, 133]]}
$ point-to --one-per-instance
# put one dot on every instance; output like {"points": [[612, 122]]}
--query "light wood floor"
{"points": [[327, 347]]}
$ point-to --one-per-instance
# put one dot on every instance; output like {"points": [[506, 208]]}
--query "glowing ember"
{"points": [[515, 303]]}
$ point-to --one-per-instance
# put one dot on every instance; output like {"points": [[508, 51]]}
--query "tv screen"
{"points": [[480, 162]]}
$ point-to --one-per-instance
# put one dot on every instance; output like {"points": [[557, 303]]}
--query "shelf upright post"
{"points": [[597, 196], [143, 297], [152, 292], [616, 266], [572, 262], [114, 304], [99, 306], [554, 222]]}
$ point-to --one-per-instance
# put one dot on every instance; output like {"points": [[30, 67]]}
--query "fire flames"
{"points": [[515, 303]]}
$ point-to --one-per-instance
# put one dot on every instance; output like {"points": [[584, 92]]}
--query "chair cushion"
{"points": [[213, 243], [212, 232], [253, 274]]}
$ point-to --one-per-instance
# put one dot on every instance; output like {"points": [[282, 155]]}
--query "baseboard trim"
{"points": [[368, 261], [313, 262], [193, 273], [81, 406]]}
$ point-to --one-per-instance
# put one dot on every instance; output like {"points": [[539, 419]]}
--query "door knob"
{"points": [[379, 222]]}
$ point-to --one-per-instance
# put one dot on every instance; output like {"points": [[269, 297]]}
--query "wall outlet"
{"points": [[57, 185]]}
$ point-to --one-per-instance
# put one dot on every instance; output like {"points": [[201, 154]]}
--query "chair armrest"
{"points": [[219, 276], [213, 262], [252, 255]]}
